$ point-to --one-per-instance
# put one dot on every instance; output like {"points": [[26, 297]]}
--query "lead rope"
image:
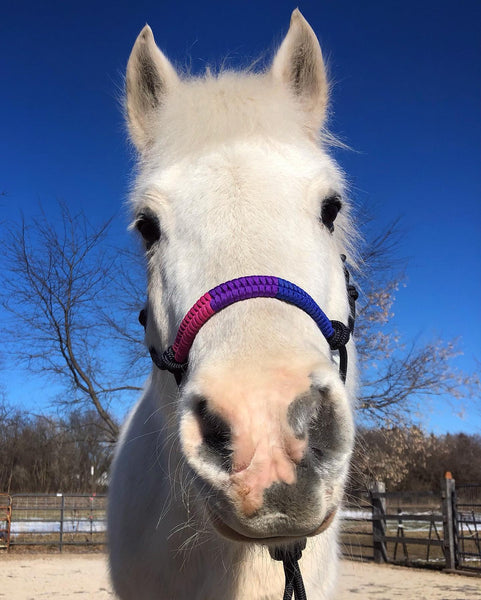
{"points": [[289, 556]]}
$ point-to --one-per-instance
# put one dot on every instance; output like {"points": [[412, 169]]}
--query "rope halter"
{"points": [[175, 358]]}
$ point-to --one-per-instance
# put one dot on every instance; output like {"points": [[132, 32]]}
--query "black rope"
{"points": [[340, 337], [352, 295], [338, 341], [166, 361], [342, 333], [289, 556], [343, 363]]}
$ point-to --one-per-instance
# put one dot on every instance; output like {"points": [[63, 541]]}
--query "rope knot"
{"points": [[340, 337], [289, 556], [166, 362], [288, 553]]}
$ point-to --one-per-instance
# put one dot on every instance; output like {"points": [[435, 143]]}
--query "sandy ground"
{"points": [[33, 577]]}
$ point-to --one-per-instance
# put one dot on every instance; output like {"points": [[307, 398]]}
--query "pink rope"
{"points": [[191, 323]]}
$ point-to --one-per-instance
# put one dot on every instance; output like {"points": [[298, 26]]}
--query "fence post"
{"points": [[448, 486], [378, 521], [62, 510]]}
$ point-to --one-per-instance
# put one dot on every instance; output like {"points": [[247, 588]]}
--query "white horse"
{"points": [[251, 450]]}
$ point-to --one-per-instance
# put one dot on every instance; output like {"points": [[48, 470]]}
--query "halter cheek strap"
{"points": [[175, 358]]}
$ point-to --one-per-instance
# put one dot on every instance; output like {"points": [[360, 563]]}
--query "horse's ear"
{"points": [[299, 65], [150, 77]]}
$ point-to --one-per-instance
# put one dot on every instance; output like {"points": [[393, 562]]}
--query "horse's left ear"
{"points": [[299, 65]]}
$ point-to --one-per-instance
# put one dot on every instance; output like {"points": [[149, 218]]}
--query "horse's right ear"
{"points": [[150, 77]]}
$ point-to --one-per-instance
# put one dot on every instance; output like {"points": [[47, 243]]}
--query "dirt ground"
{"points": [[68, 576], [367, 581]]}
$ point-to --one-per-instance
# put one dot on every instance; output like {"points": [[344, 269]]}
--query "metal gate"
{"points": [[467, 525]]}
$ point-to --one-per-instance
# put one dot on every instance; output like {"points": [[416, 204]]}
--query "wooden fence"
{"points": [[435, 529], [438, 530]]}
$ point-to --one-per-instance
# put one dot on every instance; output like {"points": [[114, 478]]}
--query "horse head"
{"points": [[234, 180]]}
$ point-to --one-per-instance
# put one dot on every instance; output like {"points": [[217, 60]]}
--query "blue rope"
{"points": [[291, 293]]}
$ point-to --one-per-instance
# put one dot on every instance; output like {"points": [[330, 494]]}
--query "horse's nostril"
{"points": [[216, 433], [325, 435], [306, 410], [312, 417]]}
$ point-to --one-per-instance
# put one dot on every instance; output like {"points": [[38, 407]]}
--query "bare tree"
{"points": [[408, 458], [40, 453], [398, 375], [60, 282], [75, 300]]}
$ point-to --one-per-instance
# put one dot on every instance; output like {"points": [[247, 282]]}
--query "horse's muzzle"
{"points": [[280, 538]]}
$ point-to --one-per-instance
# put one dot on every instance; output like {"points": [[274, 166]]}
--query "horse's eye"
{"points": [[148, 225], [330, 207]]}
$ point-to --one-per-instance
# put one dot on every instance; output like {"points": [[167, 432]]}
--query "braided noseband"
{"points": [[174, 359]]}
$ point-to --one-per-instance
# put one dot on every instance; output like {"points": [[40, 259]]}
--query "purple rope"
{"points": [[244, 288], [175, 358]]}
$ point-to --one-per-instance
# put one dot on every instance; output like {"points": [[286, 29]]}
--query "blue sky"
{"points": [[406, 98]]}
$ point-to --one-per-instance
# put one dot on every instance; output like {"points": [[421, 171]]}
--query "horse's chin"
{"points": [[233, 534]]}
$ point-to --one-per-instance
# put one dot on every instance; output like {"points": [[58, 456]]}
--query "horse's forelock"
{"points": [[229, 106]]}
